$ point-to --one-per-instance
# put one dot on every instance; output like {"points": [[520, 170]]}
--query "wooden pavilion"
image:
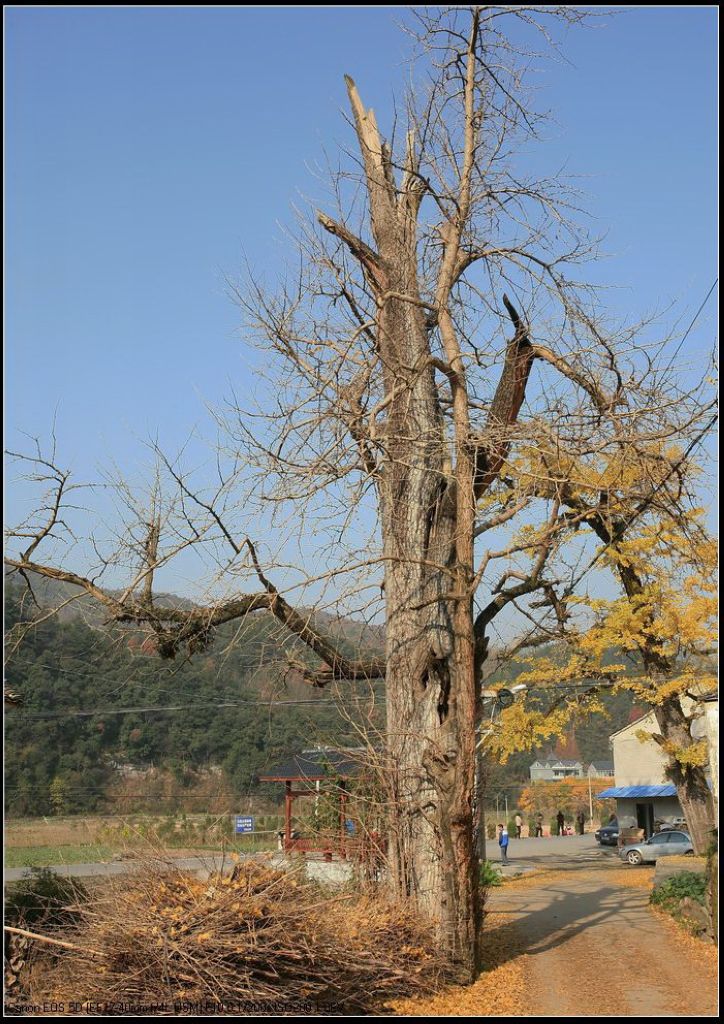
{"points": [[310, 769]]}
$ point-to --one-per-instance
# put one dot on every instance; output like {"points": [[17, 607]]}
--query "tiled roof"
{"points": [[311, 765], [556, 762]]}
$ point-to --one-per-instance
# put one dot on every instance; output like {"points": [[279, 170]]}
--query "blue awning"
{"points": [[633, 792]]}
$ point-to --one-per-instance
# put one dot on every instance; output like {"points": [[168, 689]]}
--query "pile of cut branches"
{"points": [[260, 941]]}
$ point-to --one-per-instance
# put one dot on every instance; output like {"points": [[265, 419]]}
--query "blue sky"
{"points": [[149, 151]]}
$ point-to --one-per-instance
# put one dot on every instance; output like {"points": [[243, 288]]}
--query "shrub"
{"points": [[489, 874], [687, 884], [43, 897]]}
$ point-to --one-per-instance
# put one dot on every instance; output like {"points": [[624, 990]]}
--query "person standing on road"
{"points": [[503, 840], [539, 826], [580, 823], [518, 827], [561, 823]]}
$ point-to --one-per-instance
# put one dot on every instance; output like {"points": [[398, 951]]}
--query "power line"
{"points": [[307, 702], [224, 705], [691, 325]]}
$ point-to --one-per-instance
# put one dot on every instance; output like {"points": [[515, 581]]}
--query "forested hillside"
{"points": [[83, 726], [57, 759]]}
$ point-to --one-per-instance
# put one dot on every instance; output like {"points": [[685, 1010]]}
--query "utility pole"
{"points": [[495, 699], [590, 797], [480, 800]]}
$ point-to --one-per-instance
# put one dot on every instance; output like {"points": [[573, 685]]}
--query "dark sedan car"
{"points": [[607, 836]]}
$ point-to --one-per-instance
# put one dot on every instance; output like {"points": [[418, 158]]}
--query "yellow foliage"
{"points": [[693, 755], [667, 609], [522, 728]]}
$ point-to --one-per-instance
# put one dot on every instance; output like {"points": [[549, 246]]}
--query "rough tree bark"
{"points": [[428, 488], [692, 789]]}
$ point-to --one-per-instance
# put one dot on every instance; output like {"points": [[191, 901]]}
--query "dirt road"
{"points": [[577, 937], [591, 945]]}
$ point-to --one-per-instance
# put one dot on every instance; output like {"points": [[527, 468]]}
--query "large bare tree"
{"points": [[437, 365]]}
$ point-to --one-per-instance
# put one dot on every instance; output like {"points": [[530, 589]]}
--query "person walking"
{"points": [[503, 840], [539, 826], [560, 823], [518, 826]]}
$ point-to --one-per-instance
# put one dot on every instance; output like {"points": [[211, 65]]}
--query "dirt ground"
{"points": [[580, 940]]}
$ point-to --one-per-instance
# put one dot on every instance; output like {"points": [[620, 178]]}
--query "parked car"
{"points": [[607, 835], [663, 844]]}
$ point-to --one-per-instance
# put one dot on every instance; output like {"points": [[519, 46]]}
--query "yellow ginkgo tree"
{"points": [[658, 624]]}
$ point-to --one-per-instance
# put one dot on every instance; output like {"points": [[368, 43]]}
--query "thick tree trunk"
{"points": [[691, 785], [430, 736], [431, 703], [481, 846]]}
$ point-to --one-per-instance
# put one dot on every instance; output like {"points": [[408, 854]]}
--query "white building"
{"points": [[642, 792], [711, 719], [553, 768]]}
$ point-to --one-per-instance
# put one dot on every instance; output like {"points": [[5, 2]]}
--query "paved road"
{"points": [[528, 854], [522, 853], [548, 848], [209, 862]]}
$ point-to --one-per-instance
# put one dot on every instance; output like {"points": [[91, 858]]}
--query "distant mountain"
{"points": [[73, 604], [83, 719]]}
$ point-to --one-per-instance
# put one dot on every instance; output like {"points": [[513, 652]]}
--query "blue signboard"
{"points": [[243, 824]]}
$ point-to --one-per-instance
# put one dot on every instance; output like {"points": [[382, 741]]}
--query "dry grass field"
{"points": [[40, 842]]}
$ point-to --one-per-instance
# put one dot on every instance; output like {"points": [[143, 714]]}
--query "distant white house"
{"points": [[548, 769], [553, 768]]}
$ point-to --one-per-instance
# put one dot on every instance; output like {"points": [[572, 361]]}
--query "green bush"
{"points": [[686, 884], [489, 874], [512, 828], [43, 897], [554, 827]]}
